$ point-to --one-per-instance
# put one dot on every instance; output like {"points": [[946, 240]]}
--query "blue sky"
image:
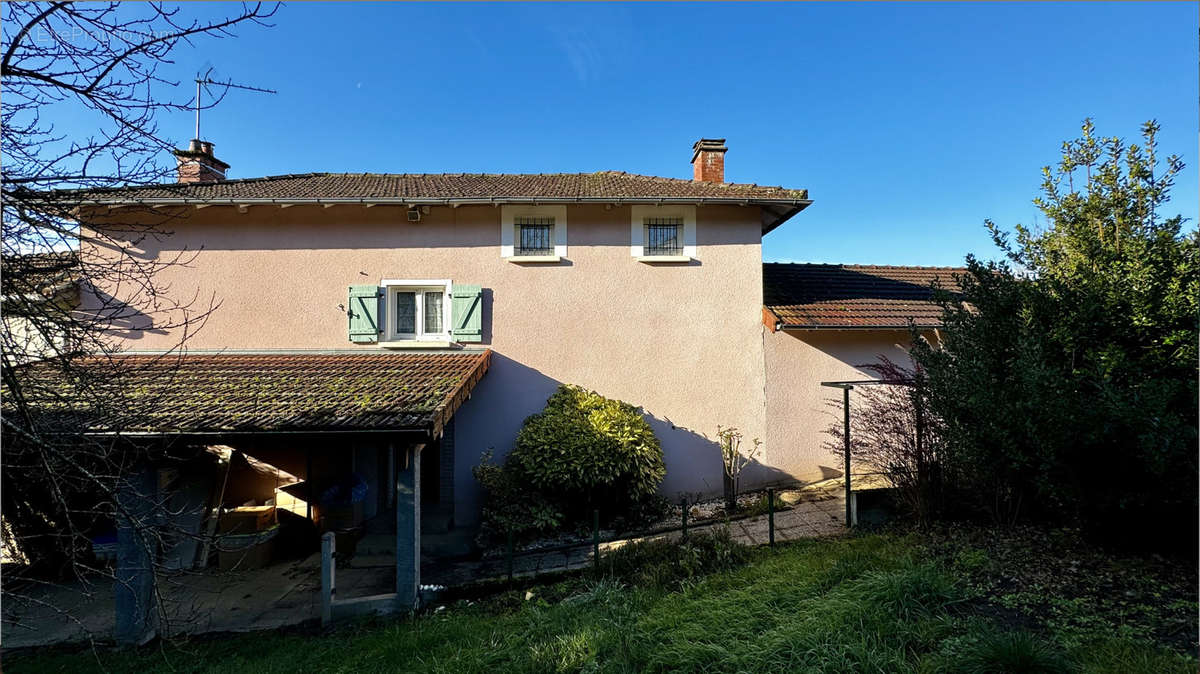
{"points": [[908, 123]]}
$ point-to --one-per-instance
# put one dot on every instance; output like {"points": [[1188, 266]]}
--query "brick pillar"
{"points": [[408, 527], [136, 619], [446, 472]]}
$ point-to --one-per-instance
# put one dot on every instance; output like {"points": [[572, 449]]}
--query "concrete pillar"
{"points": [[328, 576], [408, 527], [137, 614]]}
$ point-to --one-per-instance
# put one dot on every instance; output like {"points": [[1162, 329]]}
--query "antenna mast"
{"points": [[205, 81]]}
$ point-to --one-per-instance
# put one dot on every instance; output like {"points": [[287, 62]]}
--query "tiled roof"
{"points": [[815, 296], [778, 203], [223, 393], [39, 274], [455, 186]]}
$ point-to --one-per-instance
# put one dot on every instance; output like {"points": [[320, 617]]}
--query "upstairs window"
{"points": [[534, 235], [664, 236]]}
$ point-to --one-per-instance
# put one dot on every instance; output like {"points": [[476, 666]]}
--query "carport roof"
{"points": [[206, 394]]}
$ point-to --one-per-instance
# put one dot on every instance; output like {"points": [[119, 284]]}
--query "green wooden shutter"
{"points": [[364, 314], [466, 311]]}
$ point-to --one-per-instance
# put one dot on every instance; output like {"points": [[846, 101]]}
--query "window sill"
{"points": [[416, 344], [664, 258], [534, 258]]}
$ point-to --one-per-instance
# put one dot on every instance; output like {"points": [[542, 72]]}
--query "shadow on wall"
{"points": [[223, 227], [121, 319], [759, 476], [485, 316], [512, 391]]}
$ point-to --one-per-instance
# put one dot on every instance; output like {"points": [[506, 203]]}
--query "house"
{"points": [[400, 325], [39, 292]]}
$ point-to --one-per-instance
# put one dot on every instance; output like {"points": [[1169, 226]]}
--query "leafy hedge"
{"points": [[1065, 386], [582, 451]]}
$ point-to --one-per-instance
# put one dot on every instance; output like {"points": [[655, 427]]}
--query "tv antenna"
{"points": [[205, 81]]}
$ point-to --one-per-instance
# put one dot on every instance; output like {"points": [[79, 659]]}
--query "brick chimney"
{"points": [[198, 165], [708, 160]]}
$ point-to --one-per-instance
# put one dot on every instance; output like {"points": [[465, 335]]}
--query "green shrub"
{"points": [[509, 506], [585, 451], [665, 563], [1064, 381]]}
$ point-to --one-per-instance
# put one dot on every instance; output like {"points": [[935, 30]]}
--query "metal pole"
{"points": [[771, 516], [596, 539], [197, 136], [683, 503], [846, 427]]}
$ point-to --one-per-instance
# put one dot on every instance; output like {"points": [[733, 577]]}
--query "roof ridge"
{"points": [[447, 174], [281, 176]]}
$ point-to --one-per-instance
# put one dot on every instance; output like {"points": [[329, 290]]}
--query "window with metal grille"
{"points": [[664, 236], [535, 236]]}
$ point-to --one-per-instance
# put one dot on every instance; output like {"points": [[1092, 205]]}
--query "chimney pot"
{"points": [[197, 163], [708, 160]]}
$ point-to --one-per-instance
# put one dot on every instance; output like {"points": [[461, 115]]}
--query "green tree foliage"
{"points": [[1066, 382], [582, 451]]}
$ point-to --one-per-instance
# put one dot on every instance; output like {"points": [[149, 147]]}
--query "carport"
{"points": [[389, 405]]}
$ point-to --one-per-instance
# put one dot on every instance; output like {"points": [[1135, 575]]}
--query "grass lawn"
{"points": [[890, 602]]}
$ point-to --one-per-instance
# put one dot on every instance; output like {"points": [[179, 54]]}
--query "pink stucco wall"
{"points": [[798, 407], [685, 342]]}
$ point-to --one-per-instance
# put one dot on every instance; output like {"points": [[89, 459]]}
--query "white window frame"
{"points": [[508, 231], [421, 286], [637, 231]]}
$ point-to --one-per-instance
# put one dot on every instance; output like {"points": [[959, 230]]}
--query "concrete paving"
{"points": [[288, 593]]}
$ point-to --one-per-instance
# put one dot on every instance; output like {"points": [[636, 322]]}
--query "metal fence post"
{"points": [[846, 427], [596, 539], [771, 516]]}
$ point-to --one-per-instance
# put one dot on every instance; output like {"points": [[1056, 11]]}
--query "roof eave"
{"points": [[414, 433], [792, 327], [792, 206], [774, 218]]}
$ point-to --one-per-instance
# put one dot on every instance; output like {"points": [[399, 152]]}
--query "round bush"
{"points": [[587, 451]]}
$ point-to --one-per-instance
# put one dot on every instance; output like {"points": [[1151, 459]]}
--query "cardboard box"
{"points": [[247, 519]]}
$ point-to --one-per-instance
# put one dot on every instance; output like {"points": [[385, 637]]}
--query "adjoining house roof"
{"points": [[462, 188], [837, 296], [39, 276], [264, 393]]}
